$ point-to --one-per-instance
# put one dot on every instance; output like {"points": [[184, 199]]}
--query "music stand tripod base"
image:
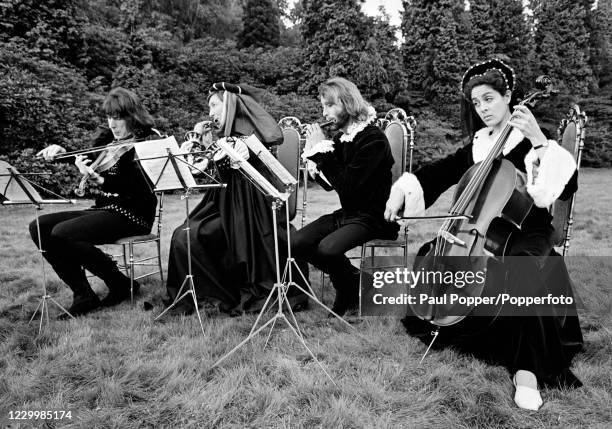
{"points": [[43, 305], [188, 281], [25, 193], [178, 178], [280, 290]]}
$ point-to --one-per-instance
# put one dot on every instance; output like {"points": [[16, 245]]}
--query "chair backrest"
{"points": [[571, 137], [288, 154], [399, 129], [158, 215]]}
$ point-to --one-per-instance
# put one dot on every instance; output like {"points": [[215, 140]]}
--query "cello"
{"points": [[490, 203]]}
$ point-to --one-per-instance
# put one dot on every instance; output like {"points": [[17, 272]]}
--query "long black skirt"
{"points": [[232, 249], [543, 342]]}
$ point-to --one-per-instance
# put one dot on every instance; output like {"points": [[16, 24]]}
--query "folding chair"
{"points": [[399, 129], [127, 247], [571, 137], [289, 154]]}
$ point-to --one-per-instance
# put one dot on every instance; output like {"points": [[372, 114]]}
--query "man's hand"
{"points": [[51, 152], [314, 135]]}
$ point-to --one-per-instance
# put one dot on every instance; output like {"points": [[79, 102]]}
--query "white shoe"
{"points": [[526, 397]]}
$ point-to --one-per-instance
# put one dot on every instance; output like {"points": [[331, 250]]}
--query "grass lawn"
{"points": [[116, 368]]}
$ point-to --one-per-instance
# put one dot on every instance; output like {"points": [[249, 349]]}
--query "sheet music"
{"points": [[159, 169], [11, 190], [253, 175], [272, 164]]}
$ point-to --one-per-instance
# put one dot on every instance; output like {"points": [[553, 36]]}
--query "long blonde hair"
{"points": [[341, 89]]}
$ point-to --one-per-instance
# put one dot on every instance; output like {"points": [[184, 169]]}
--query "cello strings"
{"points": [[475, 182]]}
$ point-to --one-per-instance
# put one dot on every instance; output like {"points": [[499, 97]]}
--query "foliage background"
{"points": [[58, 59]]}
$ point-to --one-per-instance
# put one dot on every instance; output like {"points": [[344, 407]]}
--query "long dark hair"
{"points": [[123, 103]]}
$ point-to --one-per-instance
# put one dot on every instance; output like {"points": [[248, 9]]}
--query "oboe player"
{"points": [[357, 164]]}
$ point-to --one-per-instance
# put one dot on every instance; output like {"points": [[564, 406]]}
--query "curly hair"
{"points": [[338, 88]]}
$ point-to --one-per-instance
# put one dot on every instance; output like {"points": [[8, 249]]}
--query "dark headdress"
{"points": [[243, 115], [470, 120], [479, 69]]}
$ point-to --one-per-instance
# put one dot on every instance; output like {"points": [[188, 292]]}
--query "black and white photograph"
{"points": [[305, 213]]}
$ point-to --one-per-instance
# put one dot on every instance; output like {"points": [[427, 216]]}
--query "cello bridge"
{"points": [[452, 239]]}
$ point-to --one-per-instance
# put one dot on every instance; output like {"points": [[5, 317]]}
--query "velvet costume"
{"points": [[232, 239], [544, 345], [359, 170]]}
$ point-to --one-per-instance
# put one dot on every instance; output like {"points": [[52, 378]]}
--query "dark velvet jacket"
{"points": [[360, 172], [125, 190]]}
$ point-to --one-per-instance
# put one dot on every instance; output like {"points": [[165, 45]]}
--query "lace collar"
{"points": [[356, 127]]}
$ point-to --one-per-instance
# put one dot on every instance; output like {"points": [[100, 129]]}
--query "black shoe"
{"points": [[181, 309], [345, 302], [118, 295], [81, 305]]}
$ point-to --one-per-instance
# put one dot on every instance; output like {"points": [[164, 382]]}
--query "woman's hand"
{"points": [[186, 147], [202, 127], [82, 164], [51, 152], [242, 149], [394, 205], [199, 167], [523, 120]]}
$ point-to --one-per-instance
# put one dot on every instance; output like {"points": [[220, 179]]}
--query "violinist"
{"points": [[536, 349], [124, 206]]}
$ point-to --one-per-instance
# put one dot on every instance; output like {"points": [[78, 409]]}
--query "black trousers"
{"points": [[69, 242], [324, 242]]}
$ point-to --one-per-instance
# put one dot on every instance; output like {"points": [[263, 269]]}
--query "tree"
{"points": [[601, 42], [434, 54], [335, 32], [50, 30], [380, 64], [260, 25], [483, 28], [415, 29], [562, 42], [501, 28], [446, 63]]}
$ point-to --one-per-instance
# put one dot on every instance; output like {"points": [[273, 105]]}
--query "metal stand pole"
{"points": [[189, 277], [43, 306], [280, 292]]}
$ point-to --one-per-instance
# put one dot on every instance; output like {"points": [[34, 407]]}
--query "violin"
{"points": [[490, 203], [107, 158]]}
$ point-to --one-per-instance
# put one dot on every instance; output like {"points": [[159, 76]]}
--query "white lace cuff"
{"points": [[323, 146]]}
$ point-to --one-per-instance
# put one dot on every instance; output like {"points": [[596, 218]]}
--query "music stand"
{"points": [[155, 157], [281, 286], [16, 189]]}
